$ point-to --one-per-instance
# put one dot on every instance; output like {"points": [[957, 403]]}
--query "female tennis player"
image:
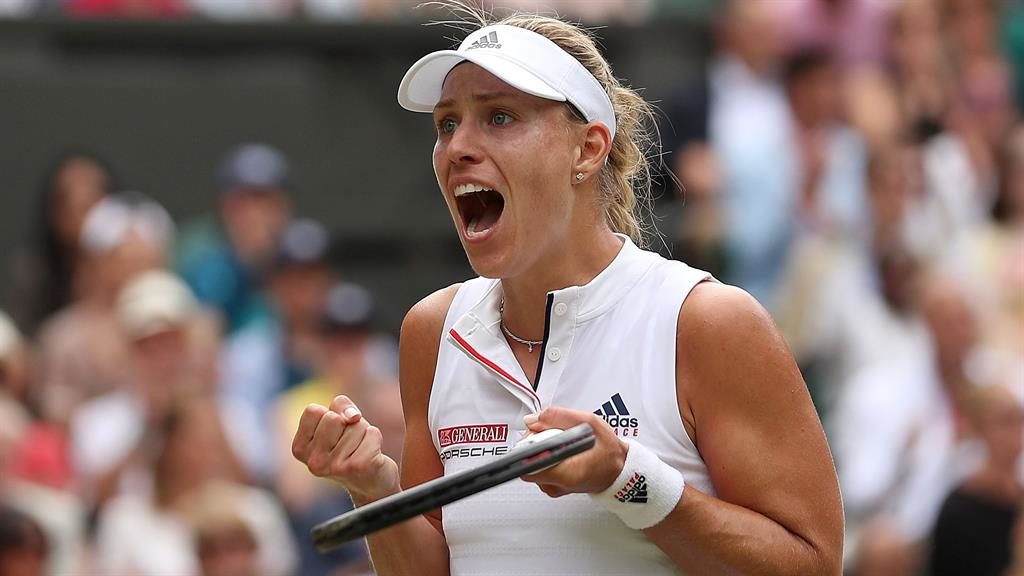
{"points": [[709, 457]]}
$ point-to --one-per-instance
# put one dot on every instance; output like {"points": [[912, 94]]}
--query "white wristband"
{"points": [[645, 491]]}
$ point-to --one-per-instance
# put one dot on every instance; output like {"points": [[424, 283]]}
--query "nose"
{"points": [[464, 145]]}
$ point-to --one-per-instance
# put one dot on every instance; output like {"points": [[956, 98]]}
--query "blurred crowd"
{"points": [[151, 379], [590, 11], [857, 165]]}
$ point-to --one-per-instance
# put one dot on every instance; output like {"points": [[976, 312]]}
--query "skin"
{"points": [[740, 393]]}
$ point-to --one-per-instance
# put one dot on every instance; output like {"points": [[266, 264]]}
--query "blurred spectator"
{"points": [[167, 334], [225, 261], [299, 281], [852, 29], [832, 157], [225, 543], [845, 306], [973, 534], [750, 131], [991, 260], [282, 349], [140, 9], [899, 438], [59, 514], [82, 347], [347, 322], [43, 278], [147, 531], [23, 546], [984, 79], [41, 454], [958, 179], [731, 137]]}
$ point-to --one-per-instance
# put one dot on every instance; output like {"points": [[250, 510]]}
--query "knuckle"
{"points": [[317, 465]]}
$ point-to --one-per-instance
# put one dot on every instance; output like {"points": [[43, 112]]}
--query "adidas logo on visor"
{"points": [[486, 41]]}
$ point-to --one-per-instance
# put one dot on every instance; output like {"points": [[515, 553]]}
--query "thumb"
{"points": [[553, 417]]}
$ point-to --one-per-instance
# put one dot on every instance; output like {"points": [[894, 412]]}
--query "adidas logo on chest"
{"points": [[615, 413]]}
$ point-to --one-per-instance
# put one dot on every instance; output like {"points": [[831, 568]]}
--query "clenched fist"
{"points": [[338, 443]]}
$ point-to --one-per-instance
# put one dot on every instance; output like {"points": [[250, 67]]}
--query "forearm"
{"points": [[414, 547], [705, 535]]}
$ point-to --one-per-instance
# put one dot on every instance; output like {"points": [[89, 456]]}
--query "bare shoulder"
{"points": [[426, 318], [418, 346], [419, 341], [719, 324], [729, 351], [721, 311]]}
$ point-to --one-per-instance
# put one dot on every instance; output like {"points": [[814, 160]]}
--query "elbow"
{"points": [[823, 560]]}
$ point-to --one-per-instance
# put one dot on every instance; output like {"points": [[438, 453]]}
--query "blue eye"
{"points": [[446, 126], [501, 118]]}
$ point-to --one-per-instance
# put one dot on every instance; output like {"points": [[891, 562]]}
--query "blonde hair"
{"points": [[624, 184]]}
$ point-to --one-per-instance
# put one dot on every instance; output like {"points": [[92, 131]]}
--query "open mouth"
{"points": [[479, 207]]}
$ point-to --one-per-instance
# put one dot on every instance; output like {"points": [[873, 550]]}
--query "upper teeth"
{"points": [[463, 189]]}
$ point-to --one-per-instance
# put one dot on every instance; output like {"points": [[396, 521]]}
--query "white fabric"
{"points": [[523, 59], [135, 537], [896, 449], [611, 350], [645, 492]]}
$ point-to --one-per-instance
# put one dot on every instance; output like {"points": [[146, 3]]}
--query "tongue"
{"points": [[489, 217]]}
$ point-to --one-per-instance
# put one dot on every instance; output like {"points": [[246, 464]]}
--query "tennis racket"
{"points": [[523, 459]]}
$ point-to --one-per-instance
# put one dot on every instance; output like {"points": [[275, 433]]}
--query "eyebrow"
{"points": [[479, 97]]}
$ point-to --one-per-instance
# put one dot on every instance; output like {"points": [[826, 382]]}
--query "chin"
{"points": [[488, 264]]}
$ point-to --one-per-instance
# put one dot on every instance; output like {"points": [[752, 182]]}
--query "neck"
{"points": [[578, 264]]}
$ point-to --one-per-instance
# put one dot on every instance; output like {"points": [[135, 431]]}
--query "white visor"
{"points": [[522, 59]]}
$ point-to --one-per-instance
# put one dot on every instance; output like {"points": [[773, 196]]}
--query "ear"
{"points": [[592, 152]]}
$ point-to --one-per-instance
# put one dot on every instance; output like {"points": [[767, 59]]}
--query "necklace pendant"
{"points": [[529, 348]]}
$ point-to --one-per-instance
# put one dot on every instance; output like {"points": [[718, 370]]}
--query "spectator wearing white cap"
{"points": [[167, 336], [82, 347]]}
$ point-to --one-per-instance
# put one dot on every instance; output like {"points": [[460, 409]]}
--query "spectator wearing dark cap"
{"points": [[298, 286], [347, 325], [280, 351], [82, 350], [225, 260]]}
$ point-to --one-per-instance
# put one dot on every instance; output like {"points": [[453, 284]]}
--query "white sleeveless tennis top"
{"points": [[610, 348]]}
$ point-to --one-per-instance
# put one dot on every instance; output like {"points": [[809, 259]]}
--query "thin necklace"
{"points": [[528, 343]]}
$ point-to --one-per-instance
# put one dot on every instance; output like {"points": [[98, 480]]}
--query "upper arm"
{"points": [[418, 346], [755, 426]]}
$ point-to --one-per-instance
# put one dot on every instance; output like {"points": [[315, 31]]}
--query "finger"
{"points": [[367, 454], [346, 407], [548, 476], [327, 434], [552, 491], [307, 426], [556, 417], [349, 441]]}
